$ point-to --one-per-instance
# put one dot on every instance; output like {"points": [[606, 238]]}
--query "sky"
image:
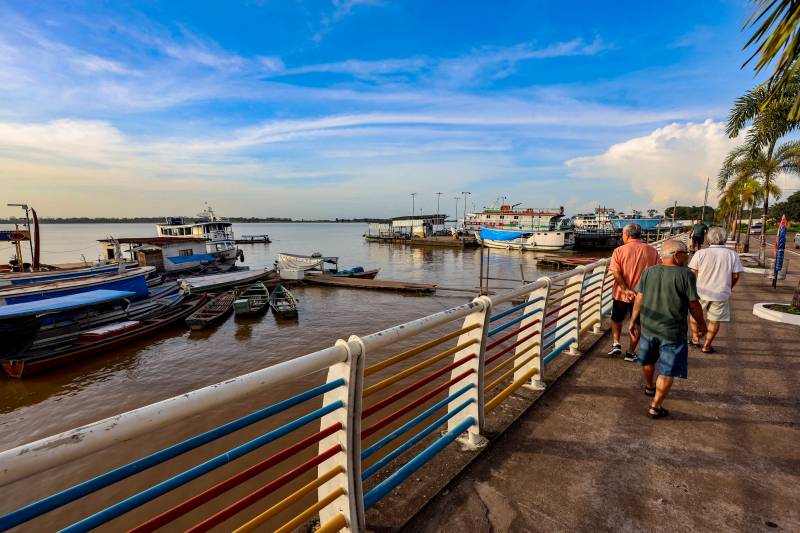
{"points": [[343, 108]]}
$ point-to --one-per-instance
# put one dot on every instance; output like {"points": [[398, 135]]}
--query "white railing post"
{"points": [[606, 293], [580, 276], [473, 438], [351, 504], [601, 301], [536, 298]]}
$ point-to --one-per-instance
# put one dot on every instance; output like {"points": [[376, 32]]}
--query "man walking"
{"points": [[665, 295], [627, 264], [717, 269], [698, 235]]}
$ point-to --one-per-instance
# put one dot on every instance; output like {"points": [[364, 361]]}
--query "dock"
{"points": [[253, 239], [374, 284], [559, 261], [444, 242]]}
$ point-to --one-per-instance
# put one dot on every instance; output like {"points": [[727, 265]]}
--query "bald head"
{"points": [[669, 250]]}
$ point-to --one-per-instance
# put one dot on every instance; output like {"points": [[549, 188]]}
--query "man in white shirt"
{"points": [[717, 269]]}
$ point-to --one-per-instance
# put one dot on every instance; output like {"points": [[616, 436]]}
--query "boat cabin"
{"points": [[167, 254], [418, 226]]}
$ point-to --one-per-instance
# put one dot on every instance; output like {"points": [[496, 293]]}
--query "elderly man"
{"points": [[717, 269], [699, 231], [627, 264], [665, 295]]}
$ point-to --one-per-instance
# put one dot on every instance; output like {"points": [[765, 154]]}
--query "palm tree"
{"points": [[764, 166]]}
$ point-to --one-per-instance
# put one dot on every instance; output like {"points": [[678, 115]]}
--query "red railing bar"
{"points": [[372, 409], [192, 503], [383, 422], [263, 491], [507, 336], [508, 348]]}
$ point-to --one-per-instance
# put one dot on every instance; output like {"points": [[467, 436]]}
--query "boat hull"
{"points": [[539, 241]]}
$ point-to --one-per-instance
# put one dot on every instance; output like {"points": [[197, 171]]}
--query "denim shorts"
{"points": [[672, 357]]}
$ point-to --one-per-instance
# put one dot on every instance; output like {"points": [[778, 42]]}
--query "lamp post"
{"points": [[465, 193], [413, 197], [438, 197], [456, 198]]}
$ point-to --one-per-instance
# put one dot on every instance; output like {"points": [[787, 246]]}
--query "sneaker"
{"points": [[616, 349], [630, 357]]}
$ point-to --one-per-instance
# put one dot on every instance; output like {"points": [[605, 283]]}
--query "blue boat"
{"points": [[26, 278], [132, 280]]}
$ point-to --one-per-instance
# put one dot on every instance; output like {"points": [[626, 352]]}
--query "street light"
{"points": [[456, 198], [438, 197], [413, 195], [465, 193]]}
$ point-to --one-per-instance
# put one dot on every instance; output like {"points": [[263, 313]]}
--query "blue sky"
{"points": [[343, 108]]}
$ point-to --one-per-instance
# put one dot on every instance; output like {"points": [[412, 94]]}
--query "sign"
{"points": [[15, 235]]}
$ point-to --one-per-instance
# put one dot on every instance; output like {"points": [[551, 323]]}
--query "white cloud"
{"points": [[670, 164]]}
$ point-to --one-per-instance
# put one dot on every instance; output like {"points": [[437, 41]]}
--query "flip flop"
{"points": [[697, 344], [710, 349], [657, 412], [649, 391]]}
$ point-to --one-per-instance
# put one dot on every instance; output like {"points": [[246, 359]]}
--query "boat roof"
{"points": [[62, 303], [325, 258], [153, 240]]}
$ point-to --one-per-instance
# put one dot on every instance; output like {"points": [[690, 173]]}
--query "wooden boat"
{"points": [[44, 276], [100, 340], [214, 311], [283, 302], [220, 282], [356, 272], [251, 300]]}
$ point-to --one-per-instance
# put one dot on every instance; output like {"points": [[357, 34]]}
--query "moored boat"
{"points": [[538, 229], [43, 276], [357, 272], [219, 307], [283, 302], [251, 300], [99, 340], [524, 240], [218, 282]]}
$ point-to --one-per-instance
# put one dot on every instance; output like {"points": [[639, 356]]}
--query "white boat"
{"points": [[217, 232], [538, 229], [219, 282]]}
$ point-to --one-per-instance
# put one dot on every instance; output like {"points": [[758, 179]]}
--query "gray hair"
{"points": [[633, 230], [717, 235], [672, 246]]}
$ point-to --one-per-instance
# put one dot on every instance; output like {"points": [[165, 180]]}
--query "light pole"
{"points": [[465, 193], [413, 197], [438, 197], [456, 198]]}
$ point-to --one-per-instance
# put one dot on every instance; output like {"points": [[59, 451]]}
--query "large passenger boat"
{"points": [[217, 232], [544, 229]]}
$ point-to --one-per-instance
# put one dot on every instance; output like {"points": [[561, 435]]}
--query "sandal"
{"points": [[657, 412], [710, 349], [693, 343], [649, 391]]}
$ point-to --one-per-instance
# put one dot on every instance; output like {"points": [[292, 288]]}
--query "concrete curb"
{"points": [[761, 311]]}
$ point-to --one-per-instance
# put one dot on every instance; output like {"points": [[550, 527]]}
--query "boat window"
{"points": [[185, 253], [516, 217]]}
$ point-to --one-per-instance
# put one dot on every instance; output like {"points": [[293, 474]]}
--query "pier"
{"points": [[487, 416]]}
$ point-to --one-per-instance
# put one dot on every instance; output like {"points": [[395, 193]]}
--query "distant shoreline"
{"points": [[154, 220]]}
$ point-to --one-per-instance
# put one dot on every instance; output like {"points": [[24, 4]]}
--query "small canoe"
{"points": [[211, 313], [283, 302], [251, 300], [357, 272]]}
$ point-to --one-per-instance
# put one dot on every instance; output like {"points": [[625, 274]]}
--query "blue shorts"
{"points": [[672, 357]]}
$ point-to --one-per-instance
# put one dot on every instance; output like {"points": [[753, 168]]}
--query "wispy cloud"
{"points": [[340, 10]]}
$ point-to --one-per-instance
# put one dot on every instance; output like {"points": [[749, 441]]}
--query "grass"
{"points": [[784, 308]]}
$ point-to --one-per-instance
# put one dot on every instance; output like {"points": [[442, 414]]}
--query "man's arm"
{"points": [[696, 310], [634, 326], [734, 279], [620, 281]]}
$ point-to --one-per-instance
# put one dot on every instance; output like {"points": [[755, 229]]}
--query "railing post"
{"points": [[536, 298], [606, 293], [579, 277], [473, 439], [598, 327], [351, 504]]}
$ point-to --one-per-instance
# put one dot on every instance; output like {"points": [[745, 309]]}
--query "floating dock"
{"points": [[374, 284], [253, 239], [445, 242]]}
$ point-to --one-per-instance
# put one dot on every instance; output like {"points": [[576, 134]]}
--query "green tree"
{"points": [[790, 208]]}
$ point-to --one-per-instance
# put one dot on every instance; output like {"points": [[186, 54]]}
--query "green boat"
{"points": [[251, 300], [283, 302]]}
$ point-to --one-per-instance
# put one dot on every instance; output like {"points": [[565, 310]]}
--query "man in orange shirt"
{"points": [[627, 264]]}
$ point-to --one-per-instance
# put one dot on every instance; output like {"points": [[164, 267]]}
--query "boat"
{"points": [[543, 228], [357, 272], [43, 276], [283, 302], [313, 264], [99, 340], [262, 238], [220, 282], [523, 240], [251, 300], [215, 230], [133, 280], [219, 307]]}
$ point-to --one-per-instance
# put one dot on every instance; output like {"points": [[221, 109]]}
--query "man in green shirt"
{"points": [[665, 296]]}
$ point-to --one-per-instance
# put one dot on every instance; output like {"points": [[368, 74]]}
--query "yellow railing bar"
{"points": [[377, 367], [505, 393], [289, 500], [508, 373], [567, 286], [416, 368], [589, 325], [564, 297], [506, 362], [310, 512], [337, 523]]}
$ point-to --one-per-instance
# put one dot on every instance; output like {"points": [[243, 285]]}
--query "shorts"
{"points": [[698, 240], [672, 357], [620, 309], [717, 311]]}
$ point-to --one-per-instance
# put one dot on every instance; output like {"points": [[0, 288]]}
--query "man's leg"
{"points": [[713, 329], [616, 331], [619, 311], [663, 384], [695, 330], [649, 371]]}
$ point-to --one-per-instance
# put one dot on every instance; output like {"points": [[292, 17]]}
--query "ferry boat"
{"points": [[543, 229], [603, 228], [217, 232]]}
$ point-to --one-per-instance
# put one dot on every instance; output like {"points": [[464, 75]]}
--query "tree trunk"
{"points": [[749, 226], [796, 298], [767, 179]]}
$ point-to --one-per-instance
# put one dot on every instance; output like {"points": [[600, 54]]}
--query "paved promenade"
{"points": [[585, 456]]}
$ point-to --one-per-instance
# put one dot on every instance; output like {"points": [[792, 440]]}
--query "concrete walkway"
{"points": [[585, 457]]}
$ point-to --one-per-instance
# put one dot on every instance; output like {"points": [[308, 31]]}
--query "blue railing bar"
{"points": [[132, 502], [595, 274], [71, 494], [414, 421], [415, 464], [511, 322], [517, 307], [561, 336], [595, 282], [555, 353], [560, 326], [394, 454]]}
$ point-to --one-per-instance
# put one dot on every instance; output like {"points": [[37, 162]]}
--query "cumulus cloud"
{"points": [[670, 164]]}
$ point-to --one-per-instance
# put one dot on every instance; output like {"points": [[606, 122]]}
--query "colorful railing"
{"points": [[350, 440]]}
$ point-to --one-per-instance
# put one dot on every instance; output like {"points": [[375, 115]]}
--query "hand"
{"points": [[631, 294], [634, 328]]}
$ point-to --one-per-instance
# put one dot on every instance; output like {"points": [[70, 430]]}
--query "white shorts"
{"points": [[717, 311]]}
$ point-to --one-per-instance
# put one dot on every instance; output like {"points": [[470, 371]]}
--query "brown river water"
{"points": [[176, 361]]}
